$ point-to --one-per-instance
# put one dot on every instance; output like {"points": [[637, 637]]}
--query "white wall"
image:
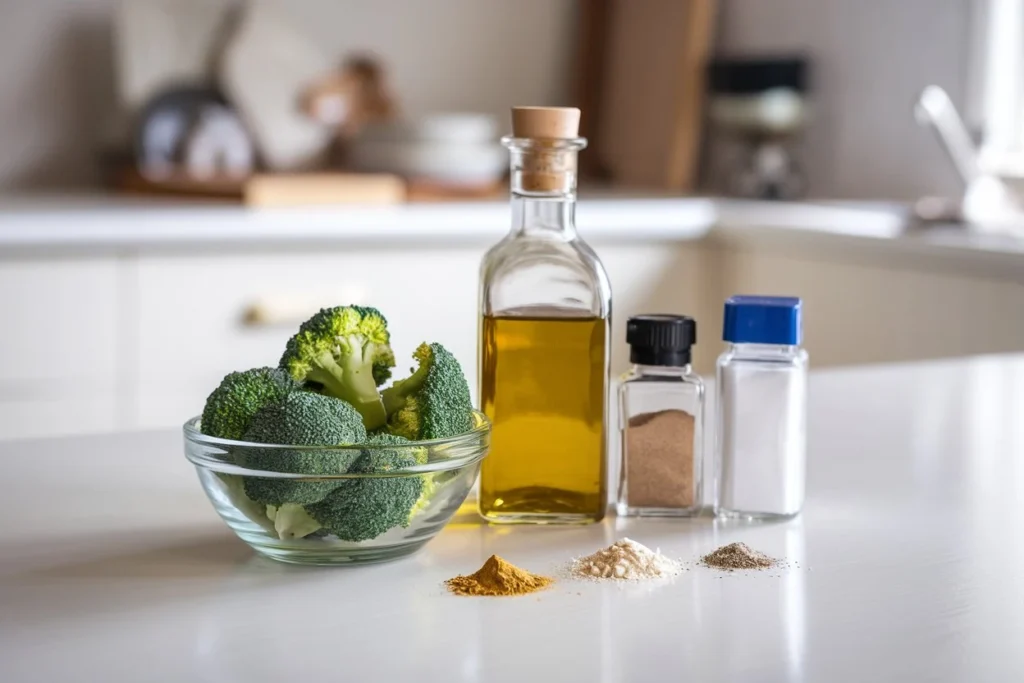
{"points": [[872, 56], [484, 55], [56, 84]]}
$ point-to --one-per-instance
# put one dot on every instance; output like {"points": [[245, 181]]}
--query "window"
{"points": [[996, 99]]}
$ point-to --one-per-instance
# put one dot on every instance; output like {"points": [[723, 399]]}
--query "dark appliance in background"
{"points": [[757, 112]]}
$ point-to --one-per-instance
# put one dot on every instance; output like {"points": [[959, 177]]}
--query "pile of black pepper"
{"points": [[737, 556]]}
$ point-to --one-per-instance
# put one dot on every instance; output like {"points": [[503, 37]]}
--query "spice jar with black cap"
{"points": [[661, 411]]}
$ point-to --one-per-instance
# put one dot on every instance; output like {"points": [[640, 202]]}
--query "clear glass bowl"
{"points": [[364, 523]]}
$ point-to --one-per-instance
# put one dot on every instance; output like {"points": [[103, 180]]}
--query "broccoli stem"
{"points": [[395, 396], [292, 521], [352, 384], [234, 489]]}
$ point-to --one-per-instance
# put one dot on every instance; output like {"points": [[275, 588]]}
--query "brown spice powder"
{"points": [[498, 577], [659, 459]]}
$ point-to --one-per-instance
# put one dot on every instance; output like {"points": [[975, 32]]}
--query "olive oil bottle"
{"points": [[545, 306]]}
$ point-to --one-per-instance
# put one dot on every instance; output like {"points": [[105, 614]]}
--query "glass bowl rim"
{"points": [[481, 428]]}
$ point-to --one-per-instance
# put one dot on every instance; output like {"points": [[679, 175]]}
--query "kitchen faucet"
{"points": [[988, 204]]}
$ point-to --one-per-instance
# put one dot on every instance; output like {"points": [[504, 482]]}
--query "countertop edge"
{"points": [[44, 226]]}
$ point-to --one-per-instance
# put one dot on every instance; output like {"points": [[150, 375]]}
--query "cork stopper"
{"points": [[548, 165], [552, 123]]}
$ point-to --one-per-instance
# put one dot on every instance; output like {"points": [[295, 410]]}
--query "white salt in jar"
{"points": [[761, 420]]}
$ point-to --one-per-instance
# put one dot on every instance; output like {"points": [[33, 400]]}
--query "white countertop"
{"points": [[113, 567], [96, 222]]}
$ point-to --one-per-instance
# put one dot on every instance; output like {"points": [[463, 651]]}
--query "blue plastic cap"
{"points": [[762, 320]]}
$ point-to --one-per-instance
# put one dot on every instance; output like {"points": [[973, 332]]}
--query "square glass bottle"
{"points": [[761, 421], [545, 315], [661, 411]]}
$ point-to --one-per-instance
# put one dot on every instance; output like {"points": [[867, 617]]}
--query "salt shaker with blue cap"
{"points": [[761, 417]]}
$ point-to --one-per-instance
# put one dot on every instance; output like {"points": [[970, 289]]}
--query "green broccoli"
{"points": [[228, 411], [420, 455], [430, 482], [301, 419], [240, 395], [432, 403], [377, 439], [346, 351], [363, 509]]}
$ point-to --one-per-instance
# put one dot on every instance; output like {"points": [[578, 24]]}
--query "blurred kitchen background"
{"points": [[183, 181]]}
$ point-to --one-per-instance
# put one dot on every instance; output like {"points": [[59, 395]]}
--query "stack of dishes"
{"points": [[459, 150]]}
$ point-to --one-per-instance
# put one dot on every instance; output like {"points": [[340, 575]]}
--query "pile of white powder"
{"points": [[625, 560]]}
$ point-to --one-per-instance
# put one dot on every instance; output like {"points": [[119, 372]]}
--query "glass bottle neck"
{"points": [[544, 216], [543, 174], [639, 370]]}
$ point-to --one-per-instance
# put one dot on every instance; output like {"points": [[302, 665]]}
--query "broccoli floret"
{"points": [[432, 403], [363, 509], [228, 411], [382, 438], [240, 395], [420, 455], [429, 489], [301, 419], [346, 352]]}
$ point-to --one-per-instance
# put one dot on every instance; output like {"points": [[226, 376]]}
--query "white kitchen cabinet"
{"points": [[140, 340], [60, 345], [58, 318]]}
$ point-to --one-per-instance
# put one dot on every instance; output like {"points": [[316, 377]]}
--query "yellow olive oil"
{"points": [[543, 385]]}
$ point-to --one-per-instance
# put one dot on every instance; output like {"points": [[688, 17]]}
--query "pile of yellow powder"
{"points": [[498, 577]]}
